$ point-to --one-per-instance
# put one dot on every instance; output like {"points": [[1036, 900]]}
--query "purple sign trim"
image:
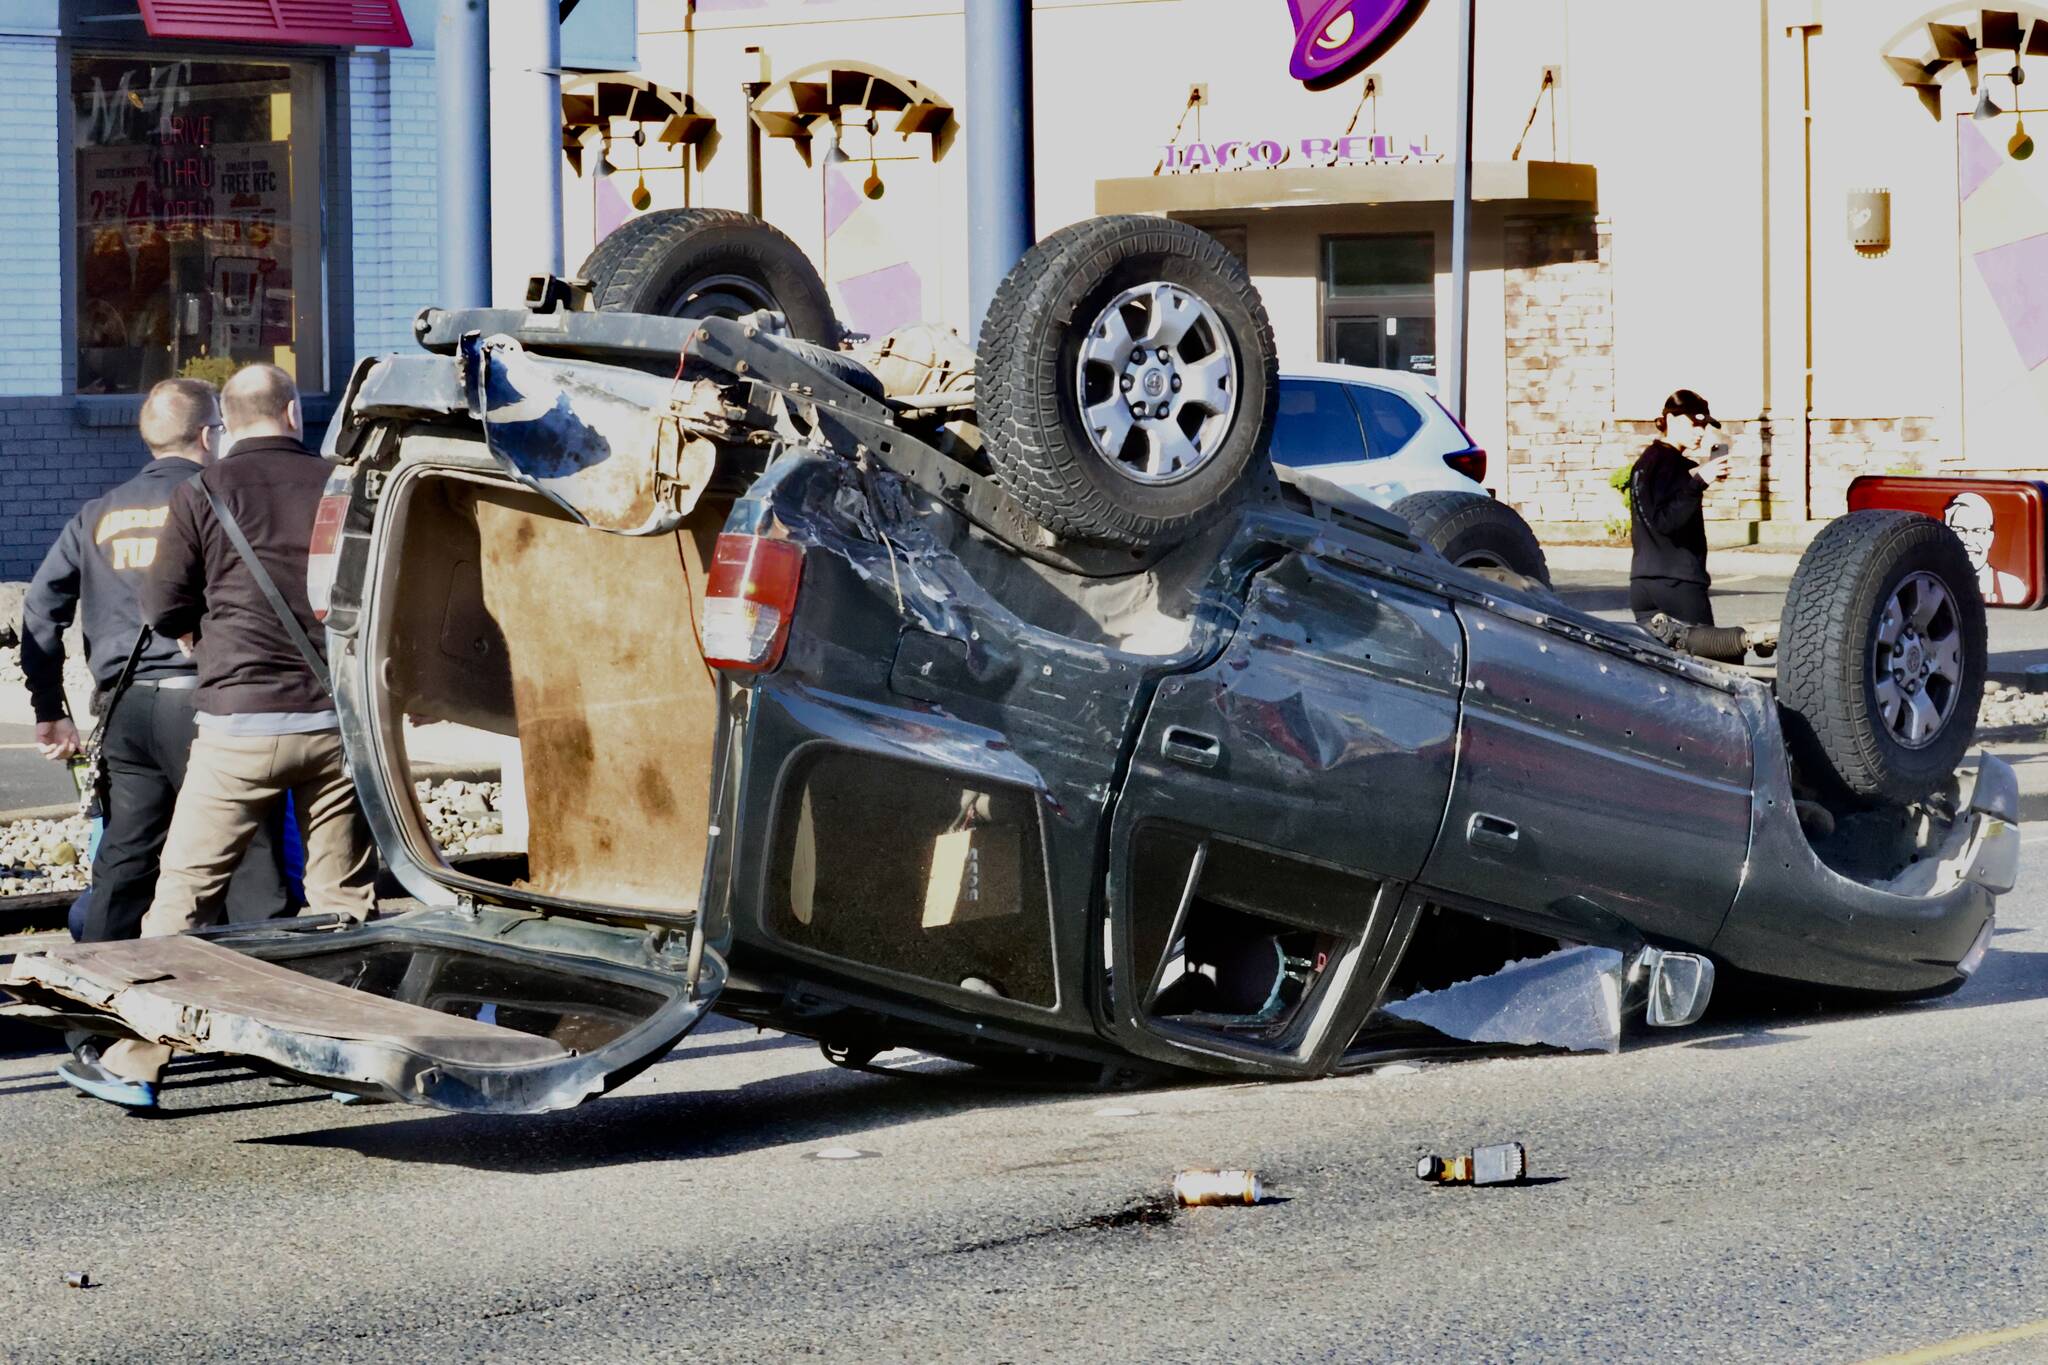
{"points": [[1332, 38]]}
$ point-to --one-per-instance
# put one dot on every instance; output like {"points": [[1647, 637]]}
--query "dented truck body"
{"points": [[1221, 808]]}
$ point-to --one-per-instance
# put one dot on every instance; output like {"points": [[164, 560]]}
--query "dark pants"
{"points": [[1675, 597], [148, 738]]}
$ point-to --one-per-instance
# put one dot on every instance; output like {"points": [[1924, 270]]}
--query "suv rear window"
{"points": [[1315, 425], [1390, 420]]}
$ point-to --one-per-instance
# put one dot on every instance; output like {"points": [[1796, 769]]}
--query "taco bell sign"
{"points": [[1333, 39]]}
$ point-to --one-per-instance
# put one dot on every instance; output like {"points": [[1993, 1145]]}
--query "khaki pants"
{"points": [[228, 781]]}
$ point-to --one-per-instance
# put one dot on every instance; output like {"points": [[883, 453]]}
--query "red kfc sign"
{"points": [[2001, 523]]}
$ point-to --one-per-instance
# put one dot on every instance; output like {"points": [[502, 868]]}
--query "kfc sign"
{"points": [[2000, 522], [1336, 39]]}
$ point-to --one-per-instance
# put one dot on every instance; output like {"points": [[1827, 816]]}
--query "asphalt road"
{"points": [[1762, 1187]]}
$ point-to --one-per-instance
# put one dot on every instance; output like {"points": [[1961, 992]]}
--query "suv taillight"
{"points": [[1471, 463], [749, 601], [324, 555]]}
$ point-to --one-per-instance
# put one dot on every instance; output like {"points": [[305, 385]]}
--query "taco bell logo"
{"points": [[1334, 38]]}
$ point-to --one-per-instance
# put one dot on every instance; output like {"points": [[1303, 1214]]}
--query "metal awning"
{"points": [[1560, 183], [591, 103], [322, 23]]}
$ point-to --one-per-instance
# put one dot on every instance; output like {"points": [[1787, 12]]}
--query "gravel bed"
{"points": [[2008, 707], [49, 855], [77, 677], [463, 817], [43, 855]]}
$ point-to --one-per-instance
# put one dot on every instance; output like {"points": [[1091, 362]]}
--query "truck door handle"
{"points": [[1490, 831], [1191, 747]]}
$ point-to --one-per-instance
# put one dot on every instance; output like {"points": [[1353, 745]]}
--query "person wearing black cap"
{"points": [[1667, 527]]}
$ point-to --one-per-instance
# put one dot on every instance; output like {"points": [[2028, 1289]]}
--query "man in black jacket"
{"points": [[266, 721], [1667, 527], [95, 570]]}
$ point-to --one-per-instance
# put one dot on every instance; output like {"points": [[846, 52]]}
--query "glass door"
{"points": [[1379, 301]]}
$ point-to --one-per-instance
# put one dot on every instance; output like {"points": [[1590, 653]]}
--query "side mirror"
{"points": [[1680, 986]]}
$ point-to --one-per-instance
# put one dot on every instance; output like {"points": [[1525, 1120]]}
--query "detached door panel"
{"points": [[503, 1012]]}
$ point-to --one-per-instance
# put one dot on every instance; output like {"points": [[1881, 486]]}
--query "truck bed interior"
{"points": [[580, 650]]}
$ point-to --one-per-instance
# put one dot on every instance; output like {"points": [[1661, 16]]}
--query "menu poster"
{"points": [[186, 246]]}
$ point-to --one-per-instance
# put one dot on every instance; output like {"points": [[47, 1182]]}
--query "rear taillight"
{"points": [[749, 601], [324, 555], [1470, 463]]}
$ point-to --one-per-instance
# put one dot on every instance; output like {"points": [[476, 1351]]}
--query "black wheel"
{"points": [[1126, 380], [1475, 532], [709, 263], [1881, 656]]}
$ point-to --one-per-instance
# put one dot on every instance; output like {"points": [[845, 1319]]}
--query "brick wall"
{"points": [[1844, 447], [393, 195], [1558, 300], [1566, 438], [50, 464], [32, 357]]}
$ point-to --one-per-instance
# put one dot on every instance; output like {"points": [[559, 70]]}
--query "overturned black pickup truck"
{"points": [[1012, 706]]}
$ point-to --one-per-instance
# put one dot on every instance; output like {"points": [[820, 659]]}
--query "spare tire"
{"points": [[1474, 531], [1882, 656], [709, 263], [1126, 381]]}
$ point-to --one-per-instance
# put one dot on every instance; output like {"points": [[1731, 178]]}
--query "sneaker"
{"points": [[89, 1077]]}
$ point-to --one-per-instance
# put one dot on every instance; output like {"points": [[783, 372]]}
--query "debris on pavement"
{"points": [[1197, 1189], [1501, 1163], [79, 1279], [1569, 999], [839, 1154]]}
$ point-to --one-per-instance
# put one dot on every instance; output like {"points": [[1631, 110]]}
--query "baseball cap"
{"points": [[1686, 403]]}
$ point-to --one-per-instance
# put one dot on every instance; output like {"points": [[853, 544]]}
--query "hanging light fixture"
{"points": [[641, 198], [2022, 146], [1987, 108], [873, 187]]}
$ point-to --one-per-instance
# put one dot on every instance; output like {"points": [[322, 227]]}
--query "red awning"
{"points": [[327, 23]]}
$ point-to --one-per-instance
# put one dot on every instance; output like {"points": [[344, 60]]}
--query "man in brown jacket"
{"points": [[266, 720]]}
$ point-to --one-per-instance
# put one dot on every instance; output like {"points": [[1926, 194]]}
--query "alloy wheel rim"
{"points": [[1917, 660], [1157, 381]]}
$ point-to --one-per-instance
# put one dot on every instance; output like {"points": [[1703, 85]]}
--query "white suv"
{"points": [[1379, 434]]}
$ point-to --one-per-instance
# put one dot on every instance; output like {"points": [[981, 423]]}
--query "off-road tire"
{"points": [[1028, 399], [1827, 698], [651, 265], [1474, 531]]}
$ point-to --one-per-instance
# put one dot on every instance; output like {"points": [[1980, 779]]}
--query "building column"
{"points": [[526, 133], [1000, 210]]}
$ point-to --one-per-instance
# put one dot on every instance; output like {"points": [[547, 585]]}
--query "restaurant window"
{"points": [[198, 218], [1379, 301]]}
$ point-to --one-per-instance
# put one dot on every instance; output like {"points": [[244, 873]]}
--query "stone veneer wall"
{"points": [[1565, 437]]}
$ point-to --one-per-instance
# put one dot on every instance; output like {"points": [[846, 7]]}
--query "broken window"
{"points": [[901, 867]]}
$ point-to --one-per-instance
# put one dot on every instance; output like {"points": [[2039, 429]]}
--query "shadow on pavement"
{"points": [[810, 1106]]}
